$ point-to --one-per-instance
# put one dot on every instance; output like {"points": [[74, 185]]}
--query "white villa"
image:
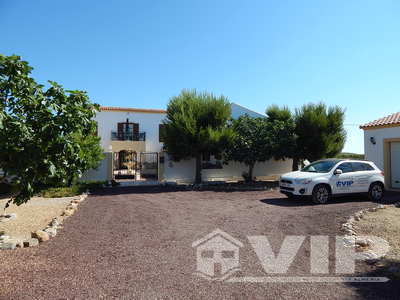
{"points": [[134, 151]]}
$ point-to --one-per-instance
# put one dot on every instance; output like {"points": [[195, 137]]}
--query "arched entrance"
{"points": [[125, 164]]}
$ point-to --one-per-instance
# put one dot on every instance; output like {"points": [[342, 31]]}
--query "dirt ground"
{"points": [[32, 216], [137, 244], [384, 223]]}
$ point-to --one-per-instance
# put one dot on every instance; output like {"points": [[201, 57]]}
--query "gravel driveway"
{"points": [[137, 244]]}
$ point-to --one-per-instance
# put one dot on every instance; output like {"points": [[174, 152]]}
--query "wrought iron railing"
{"points": [[128, 136]]}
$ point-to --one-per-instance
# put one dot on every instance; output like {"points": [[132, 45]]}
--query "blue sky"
{"points": [[257, 53]]}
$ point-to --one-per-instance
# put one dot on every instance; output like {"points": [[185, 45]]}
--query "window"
{"points": [[346, 167], [359, 166], [321, 166], [161, 133], [128, 131]]}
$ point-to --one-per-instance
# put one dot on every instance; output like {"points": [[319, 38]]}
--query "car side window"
{"points": [[368, 167], [345, 167], [357, 166]]}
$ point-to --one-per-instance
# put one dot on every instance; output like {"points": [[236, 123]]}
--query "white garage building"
{"points": [[382, 146]]}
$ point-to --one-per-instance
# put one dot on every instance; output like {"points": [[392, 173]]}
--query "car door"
{"points": [[361, 174], [343, 183]]}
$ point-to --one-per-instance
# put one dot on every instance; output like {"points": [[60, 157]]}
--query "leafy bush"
{"points": [[74, 190]]}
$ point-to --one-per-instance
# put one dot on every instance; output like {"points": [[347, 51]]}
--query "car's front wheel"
{"points": [[321, 194], [376, 191]]}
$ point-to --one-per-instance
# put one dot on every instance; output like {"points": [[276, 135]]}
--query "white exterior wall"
{"points": [[148, 122], [184, 170], [375, 152], [102, 173]]}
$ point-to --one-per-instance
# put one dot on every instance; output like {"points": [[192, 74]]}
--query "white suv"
{"points": [[325, 178]]}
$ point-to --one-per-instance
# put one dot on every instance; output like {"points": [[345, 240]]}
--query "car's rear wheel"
{"points": [[376, 191], [321, 194]]}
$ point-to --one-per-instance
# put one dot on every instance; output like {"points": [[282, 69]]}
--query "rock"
{"points": [[41, 235], [32, 242], [372, 209], [397, 204], [369, 255], [350, 232], [8, 245], [363, 242], [55, 222], [4, 238], [381, 206], [357, 218], [68, 212], [73, 206], [351, 220], [20, 244], [52, 232], [348, 241], [8, 217]]}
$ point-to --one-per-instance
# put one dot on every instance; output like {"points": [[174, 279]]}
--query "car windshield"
{"points": [[322, 166]]}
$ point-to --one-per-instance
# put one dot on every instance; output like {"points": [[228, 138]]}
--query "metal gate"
{"points": [[149, 165], [125, 164]]}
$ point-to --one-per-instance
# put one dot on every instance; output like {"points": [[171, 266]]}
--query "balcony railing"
{"points": [[128, 136]]}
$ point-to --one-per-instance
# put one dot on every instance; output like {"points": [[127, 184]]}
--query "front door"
{"points": [[395, 164]]}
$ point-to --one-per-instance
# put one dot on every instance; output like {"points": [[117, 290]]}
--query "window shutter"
{"points": [[161, 132], [120, 130], [136, 129]]}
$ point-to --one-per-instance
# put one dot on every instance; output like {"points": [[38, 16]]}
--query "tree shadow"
{"points": [[379, 290], [304, 201]]}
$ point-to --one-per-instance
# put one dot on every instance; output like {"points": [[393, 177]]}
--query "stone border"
{"points": [[39, 236], [366, 245]]}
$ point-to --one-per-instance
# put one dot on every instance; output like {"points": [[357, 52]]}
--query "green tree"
{"points": [[283, 128], [196, 124], [252, 143], [320, 131], [43, 131], [314, 131]]}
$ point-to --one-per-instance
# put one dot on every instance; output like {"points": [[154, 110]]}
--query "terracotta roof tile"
{"points": [[127, 109], [388, 121]]}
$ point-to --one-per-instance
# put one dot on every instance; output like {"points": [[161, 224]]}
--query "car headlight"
{"points": [[302, 181]]}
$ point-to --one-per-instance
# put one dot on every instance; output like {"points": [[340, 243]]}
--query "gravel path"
{"points": [[127, 243]]}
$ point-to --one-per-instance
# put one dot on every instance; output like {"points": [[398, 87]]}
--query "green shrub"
{"points": [[70, 191]]}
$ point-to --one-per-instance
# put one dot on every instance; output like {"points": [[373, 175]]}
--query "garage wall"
{"points": [[375, 152], [183, 171]]}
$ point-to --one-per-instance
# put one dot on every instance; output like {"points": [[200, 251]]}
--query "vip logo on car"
{"points": [[344, 183]]}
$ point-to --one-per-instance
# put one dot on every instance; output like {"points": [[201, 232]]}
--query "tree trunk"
{"points": [[70, 181], [295, 165], [198, 168], [250, 178]]}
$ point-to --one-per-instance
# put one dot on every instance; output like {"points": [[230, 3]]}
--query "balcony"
{"points": [[128, 136]]}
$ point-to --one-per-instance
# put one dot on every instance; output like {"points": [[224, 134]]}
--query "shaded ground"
{"points": [[136, 243]]}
